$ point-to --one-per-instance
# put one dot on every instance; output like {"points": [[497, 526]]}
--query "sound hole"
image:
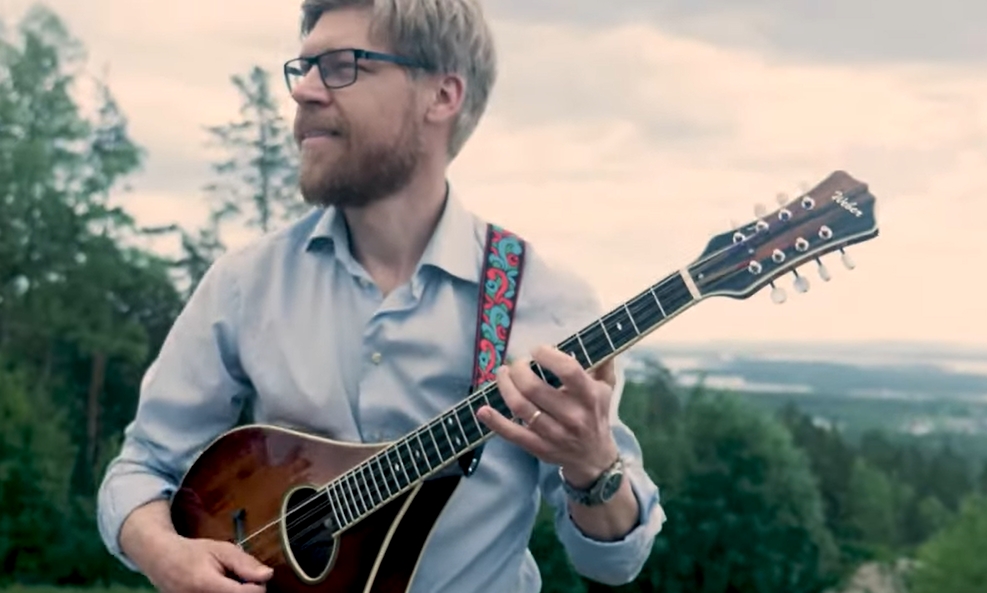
{"points": [[309, 541]]}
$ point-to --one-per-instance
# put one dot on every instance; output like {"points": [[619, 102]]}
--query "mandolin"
{"points": [[338, 517]]}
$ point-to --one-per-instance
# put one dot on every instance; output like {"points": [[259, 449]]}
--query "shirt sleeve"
{"points": [[609, 562], [575, 305], [192, 392]]}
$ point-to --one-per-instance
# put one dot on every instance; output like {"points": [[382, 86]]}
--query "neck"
{"points": [[389, 236]]}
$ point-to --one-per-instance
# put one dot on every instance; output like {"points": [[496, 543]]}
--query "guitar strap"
{"points": [[500, 282]]}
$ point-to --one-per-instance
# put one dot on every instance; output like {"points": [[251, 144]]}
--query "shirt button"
{"points": [[376, 357]]}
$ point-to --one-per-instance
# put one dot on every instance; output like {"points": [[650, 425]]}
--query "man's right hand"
{"points": [[176, 564]]}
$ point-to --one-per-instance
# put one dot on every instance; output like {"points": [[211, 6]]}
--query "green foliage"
{"points": [[80, 310], [953, 560], [747, 516], [35, 463], [754, 502]]}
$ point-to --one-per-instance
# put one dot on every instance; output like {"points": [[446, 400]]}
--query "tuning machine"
{"points": [[801, 284], [847, 260], [778, 295]]}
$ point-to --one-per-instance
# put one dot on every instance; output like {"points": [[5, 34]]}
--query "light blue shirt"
{"points": [[295, 324]]}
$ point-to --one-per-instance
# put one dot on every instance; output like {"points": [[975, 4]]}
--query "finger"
{"points": [[524, 409], [535, 390], [242, 564], [513, 432], [574, 377], [216, 582]]}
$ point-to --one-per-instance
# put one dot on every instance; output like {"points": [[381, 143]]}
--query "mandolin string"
{"points": [[314, 512]]}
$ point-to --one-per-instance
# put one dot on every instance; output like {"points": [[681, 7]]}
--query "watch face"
{"points": [[611, 485]]}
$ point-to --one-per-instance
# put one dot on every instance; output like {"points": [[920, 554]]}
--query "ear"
{"points": [[446, 94]]}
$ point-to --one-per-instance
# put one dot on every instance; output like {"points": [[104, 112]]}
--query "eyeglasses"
{"points": [[338, 67]]}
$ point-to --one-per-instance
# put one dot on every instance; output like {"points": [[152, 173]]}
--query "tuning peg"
{"points": [[823, 271], [778, 294], [782, 199], [801, 284], [760, 210], [847, 260]]}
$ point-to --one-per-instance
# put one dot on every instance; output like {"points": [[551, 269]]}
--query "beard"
{"points": [[366, 170]]}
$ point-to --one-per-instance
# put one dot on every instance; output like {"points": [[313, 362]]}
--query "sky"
{"points": [[620, 139]]}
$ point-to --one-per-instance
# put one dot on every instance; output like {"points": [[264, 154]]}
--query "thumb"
{"points": [[242, 564]]}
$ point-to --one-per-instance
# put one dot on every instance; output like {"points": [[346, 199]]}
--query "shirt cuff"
{"points": [[121, 493], [615, 562]]}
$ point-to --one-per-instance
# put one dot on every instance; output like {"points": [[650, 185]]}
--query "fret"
{"points": [[380, 472], [475, 404], [596, 341], [350, 498], [441, 441], [409, 464], [341, 496], [394, 462], [574, 347], [458, 437], [618, 325], [658, 302], [368, 476], [420, 451], [606, 334], [336, 511], [589, 359], [471, 426], [357, 493], [448, 439], [631, 317], [644, 310], [431, 448]]}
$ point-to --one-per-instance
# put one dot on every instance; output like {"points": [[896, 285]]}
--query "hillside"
{"points": [[927, 391]]}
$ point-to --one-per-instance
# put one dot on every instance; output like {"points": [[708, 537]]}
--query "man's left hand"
{"points": [[568, 426]]}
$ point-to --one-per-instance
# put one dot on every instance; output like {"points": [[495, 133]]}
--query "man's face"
{"points": [[362, 142]]}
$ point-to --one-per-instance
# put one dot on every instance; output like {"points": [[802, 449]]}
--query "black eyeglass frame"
{"points": [[358, 54]]}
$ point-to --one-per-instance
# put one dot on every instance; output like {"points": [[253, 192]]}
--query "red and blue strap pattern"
{"points": [[503, 265]]}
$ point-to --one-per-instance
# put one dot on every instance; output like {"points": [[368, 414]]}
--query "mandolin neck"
{"points": [[440, 442]]}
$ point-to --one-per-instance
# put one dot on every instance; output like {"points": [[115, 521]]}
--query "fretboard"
{"points": [[442, 441]]}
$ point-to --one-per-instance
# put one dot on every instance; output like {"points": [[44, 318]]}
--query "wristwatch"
{"points": [[601, 490]]}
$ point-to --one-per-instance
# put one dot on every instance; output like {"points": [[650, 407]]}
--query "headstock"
{"points": [[838, 212]]}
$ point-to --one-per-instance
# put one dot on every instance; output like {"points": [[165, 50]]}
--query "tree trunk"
{"points": [[96, 381]]}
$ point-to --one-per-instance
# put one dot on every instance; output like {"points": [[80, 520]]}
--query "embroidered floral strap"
{"points": [[503, 264]]}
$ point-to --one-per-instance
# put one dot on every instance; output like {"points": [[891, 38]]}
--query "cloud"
{"points": [[843, 31], [619, 146]]}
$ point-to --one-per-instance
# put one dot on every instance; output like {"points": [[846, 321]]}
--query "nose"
{"points": [[309, 89]]}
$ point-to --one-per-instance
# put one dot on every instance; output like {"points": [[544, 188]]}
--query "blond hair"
{"points": [[448, 36]]}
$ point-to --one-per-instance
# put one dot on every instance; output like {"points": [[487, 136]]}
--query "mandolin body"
{"points": [[239, 486]]}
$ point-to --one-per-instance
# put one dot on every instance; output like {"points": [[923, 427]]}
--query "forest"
{"points": [[757, 499]]}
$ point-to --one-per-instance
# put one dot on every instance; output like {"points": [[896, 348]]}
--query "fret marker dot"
{"points": [[619, 327]]}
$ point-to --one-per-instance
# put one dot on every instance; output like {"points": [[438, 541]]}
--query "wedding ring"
{"points": [[534, 417]]}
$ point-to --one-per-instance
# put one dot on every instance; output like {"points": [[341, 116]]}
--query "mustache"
{"points": [[310, 125]]}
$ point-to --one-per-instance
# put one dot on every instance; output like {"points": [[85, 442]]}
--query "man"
{"points": [[357, 322]]}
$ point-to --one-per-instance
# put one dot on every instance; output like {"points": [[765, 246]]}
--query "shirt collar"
{"points": [[455, 246]]}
